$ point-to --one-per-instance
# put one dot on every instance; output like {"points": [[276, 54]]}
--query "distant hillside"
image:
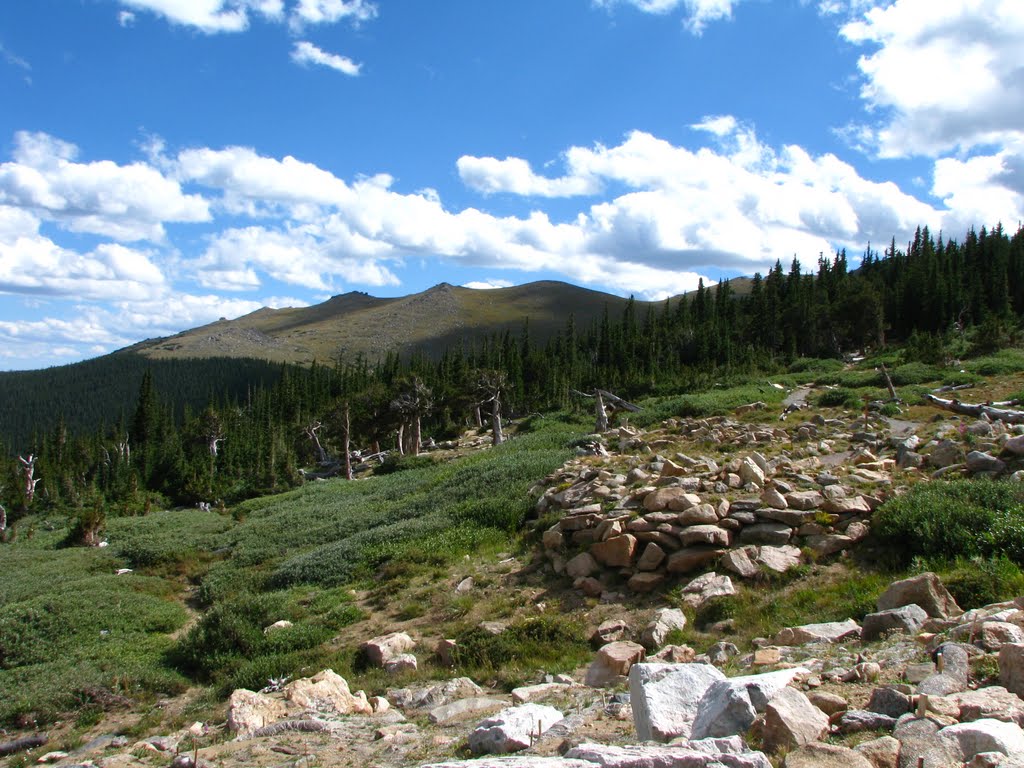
{"points": [[355, 323]]}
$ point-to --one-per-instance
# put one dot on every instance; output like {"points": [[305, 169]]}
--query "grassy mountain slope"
{"points": [[355, 323]]}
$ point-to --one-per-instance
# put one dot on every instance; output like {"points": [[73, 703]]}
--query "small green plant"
{"points": [[840, 397], [982, 581]]}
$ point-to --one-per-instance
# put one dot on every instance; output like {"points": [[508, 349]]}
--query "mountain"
{"points": [[356, 323]]}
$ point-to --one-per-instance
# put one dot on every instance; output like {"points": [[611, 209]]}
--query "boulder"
{"points": [[616, 552], [1011, 667], [828, 632], [666, 698], [277, 625], [979, 461], [524, 761], [805, 500], [612, 662], [652, 557], [710, 535], [908, 618], [730, 706], [327, 692], [889, 701], [819, 755], [750, 472], [946, 454], [706, 587], [740, 562], [924, 590], [377, 650], [249, 711], [919, 740], [993, 702], [646, 581], [825, 544], [689, 755], [463, 708], [513, 729], [772, 534], [609, 631], [665, 620], [425, 697], [984, 736], [990, 635], [829, 703], [403, 662], [857, 720], [791, 720], [582, 565], [526, 693], [883, 752], [692, 558], [700, 514], [778, 559]]}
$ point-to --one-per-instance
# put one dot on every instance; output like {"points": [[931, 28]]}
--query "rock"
{"points": [[379, 704], [827, 544], [883, 752], [772, 534], [805, 500], [403, 662], [791, 720], [581, 566], [512, 730], [919, 740], [857, 720], [984, 736], [700, 514], [692, 558], [889, 701], [730, 706], [249, 711], [609, 631], [1011, 667], [612, 662], [645, 582], [979, 461], [652, 557], [434, 695], [589, 586], [525, 761], [829, 703], [719, 653], [377, 650], [946, 454], [282, 624], [856, 505], [327, 692], [706, 587], [674, 654], [991, 635], [908, 618], [924, 590], [778, 559], [772, 498], [463, 708], [690, 755], [739, 562], [616, 552], [661, 498], [766, 657], [664, 621], [993, 702], [750, 472], [829, 632], [818, 755], [705, 534], [666, 698], [526, 693]]}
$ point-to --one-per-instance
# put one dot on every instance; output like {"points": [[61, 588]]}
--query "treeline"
{"points": [[251, 437]]}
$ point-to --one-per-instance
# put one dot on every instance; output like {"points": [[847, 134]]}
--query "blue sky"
{"points": [[164, 163]]}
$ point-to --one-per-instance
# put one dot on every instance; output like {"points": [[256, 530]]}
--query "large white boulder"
{"points": [[249, 711], [513, 729], [666, 697], [327, 692], [730, 706]]}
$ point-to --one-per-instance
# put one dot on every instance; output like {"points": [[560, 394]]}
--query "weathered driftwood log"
{"points": [[953, 387], [275, 729], [888, 383], [20, 745], [994, 411]]}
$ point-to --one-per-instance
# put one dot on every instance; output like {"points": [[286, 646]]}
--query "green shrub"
{"points": [[955, 519], [915, 373], [395, 463], [543, 642], [839, 398], [980, 581]]}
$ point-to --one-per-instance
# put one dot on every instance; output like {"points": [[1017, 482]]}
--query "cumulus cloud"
{"points": [[124, 202], [217, 16], [698, 12], [489, 175], [330, 12], [487, 285], [944, 76], [304, 52]]}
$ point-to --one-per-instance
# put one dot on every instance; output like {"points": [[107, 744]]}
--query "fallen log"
{"points": [[994, 411], [20, 745], [953, 388]]}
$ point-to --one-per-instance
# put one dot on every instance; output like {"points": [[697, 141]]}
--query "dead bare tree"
{"points": [[411, 406], [311, 431], [491, 383], [346, 441], [28, 469], [605, 401]]}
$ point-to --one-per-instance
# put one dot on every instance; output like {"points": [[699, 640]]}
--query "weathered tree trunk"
{"points": [[497, 436], [888, 383], [312, 432], [348, 457], [401, 439], [478, 416], [601, 422], [980, 409], [28, 468], [3, 521], [20, 745], [417, 437]]}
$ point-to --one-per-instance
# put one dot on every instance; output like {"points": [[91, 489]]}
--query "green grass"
{"points": [[716, 402], [1001, 363]]}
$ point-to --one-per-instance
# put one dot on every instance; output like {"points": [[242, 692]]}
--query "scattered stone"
{"points": [[327, 692], [730, 706], [612, 662], [666, 698], [883, 752], [277, 625], [791, 720], [512, 730], [463, 708], [857, 720], [527, 693], [818, 755], [249, 711], [889, 701], [829, 703], [924, 590], [908, 618], [829, 632], [664, 621], [984, 736], [378, 650], [1011, 667]]}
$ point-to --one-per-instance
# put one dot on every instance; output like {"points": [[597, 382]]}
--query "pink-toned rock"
{"points": [[692, 558], [791, 721], [582, 564], [652, 557], [590, 586], [379, 649], [700, 514], [925, 590], [327, 692], [249, 711], [804, 500], [645, 581], [616, 552], [613, 661]]}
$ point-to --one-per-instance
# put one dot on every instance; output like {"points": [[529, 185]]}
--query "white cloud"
{"points": [[331, 11], [125, 18], [698, 12], [125, 202], [944, 76], [209, 16], [487, 285], [489, 175], [305, 52]]}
